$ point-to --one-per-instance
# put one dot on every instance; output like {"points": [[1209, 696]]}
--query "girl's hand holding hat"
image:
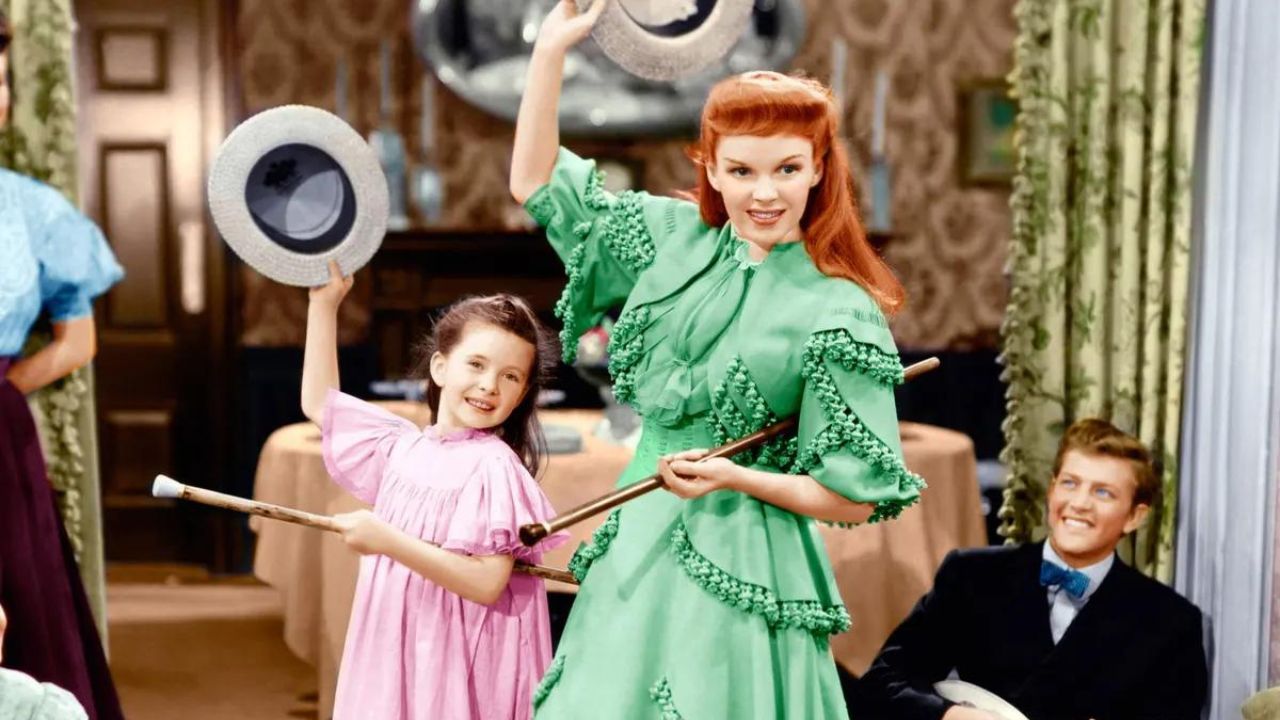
{"points": [[331, 293]]}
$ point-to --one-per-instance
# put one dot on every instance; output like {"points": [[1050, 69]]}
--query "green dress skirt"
{"points": [[645, 640]]}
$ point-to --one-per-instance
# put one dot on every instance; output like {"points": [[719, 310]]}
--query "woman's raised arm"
{"points": [[537, 126]]}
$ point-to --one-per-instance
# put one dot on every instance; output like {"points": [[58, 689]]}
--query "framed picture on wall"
{"points": [[986, 115]]}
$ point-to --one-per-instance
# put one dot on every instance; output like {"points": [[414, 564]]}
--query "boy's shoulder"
{"points": [[994, 568], [1163, 602], [992, 558]]}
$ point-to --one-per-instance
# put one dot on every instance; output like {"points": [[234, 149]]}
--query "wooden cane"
{"points": [[530, 534], [166, 487]]}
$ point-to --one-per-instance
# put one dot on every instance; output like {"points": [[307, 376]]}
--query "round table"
{"points": [[881, 569]]}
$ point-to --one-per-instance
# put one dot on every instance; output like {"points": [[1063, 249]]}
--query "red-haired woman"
{"points": [[760, 301]]}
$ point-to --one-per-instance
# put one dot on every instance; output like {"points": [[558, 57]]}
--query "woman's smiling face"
{"points": [[765, 184]]}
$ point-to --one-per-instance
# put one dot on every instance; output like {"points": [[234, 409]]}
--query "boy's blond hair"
{"points": [[1095, 436]]}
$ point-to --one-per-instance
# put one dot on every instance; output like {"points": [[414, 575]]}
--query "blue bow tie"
{"points": [[1073, 581]]}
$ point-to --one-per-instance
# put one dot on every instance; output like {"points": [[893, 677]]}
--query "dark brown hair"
{"points": [[511, 313], [770, 103], [1094, 436], [5, 33]]}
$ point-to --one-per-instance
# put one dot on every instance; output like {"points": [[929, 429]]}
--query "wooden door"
{"points": [[151, 94]]}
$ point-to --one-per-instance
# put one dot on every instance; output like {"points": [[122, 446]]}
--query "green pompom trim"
{"points": [[661, 694], [548, 681], [738, 380], [846, 430], [588, 552], [564, 306], [593, 194], [627, 235], [624, 233], [839, 347], [779, 453], [810, 615], [728, 422], [626, 346], [543, 208]]}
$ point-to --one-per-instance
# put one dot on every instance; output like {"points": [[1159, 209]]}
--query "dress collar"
{"points": [[433, 432], [742, 250]]}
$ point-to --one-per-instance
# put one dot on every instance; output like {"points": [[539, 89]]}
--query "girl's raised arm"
{"points": [[320, 358], [537, 126]]}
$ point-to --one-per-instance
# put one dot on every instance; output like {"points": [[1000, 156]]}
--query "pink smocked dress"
{"points": [[415, 650]]}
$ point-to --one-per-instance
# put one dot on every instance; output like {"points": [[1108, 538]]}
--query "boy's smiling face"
{"points": [[1091, 507]]}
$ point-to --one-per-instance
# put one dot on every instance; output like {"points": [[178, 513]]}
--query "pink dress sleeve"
{"points": [[357, 440], [495, 503]]}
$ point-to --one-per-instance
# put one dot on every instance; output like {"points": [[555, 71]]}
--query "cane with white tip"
{"points": [[166, 487]]}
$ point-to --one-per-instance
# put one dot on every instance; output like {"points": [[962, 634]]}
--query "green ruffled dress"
{"points": [[719, 607]]}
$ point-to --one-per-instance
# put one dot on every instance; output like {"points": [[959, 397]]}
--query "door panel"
{"points": [[151, 112]]}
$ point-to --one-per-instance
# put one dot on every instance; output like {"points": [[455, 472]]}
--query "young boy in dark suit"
{"points": [[1062, 629]]}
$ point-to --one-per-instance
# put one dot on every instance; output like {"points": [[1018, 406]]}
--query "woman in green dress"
{"points": [[760, 300]]}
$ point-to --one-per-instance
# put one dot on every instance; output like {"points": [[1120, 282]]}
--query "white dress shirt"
{"points": [[1062, 607]]}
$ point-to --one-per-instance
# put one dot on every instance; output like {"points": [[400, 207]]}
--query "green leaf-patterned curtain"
{"points": [[1096, 321], [40, 141]]}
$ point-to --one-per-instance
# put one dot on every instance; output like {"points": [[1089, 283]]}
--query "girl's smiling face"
{"points": [[483, 377]]}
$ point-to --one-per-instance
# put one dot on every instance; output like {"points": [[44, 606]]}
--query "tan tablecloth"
{"points": [[881, 569]]}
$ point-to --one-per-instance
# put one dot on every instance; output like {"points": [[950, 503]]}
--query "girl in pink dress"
{"points": [[440, 627]]}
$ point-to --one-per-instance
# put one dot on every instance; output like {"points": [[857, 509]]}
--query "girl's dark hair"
{"points": [[511, 313]]}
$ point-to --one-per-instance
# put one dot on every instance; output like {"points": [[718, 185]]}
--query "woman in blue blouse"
{"points": [[52, 259]]}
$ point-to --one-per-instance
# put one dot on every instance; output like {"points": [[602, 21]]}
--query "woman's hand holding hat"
{"points": [[565, 26]]}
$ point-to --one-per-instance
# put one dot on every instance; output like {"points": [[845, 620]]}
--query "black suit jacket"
{"points": [[1134, 652]]}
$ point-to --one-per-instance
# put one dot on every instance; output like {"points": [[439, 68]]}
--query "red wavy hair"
{"points": [[769, 103]]}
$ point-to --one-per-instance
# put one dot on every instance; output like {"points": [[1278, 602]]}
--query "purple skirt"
{"points": [[51, 634]]}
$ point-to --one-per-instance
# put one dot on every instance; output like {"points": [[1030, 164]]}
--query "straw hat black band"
{"points": [[294, 187]]}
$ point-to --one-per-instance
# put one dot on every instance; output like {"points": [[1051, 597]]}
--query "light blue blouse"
{"points": [[51, 257]]}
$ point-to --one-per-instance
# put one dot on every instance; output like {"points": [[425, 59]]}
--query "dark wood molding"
{"points": [[159, 36], [105, 150]]}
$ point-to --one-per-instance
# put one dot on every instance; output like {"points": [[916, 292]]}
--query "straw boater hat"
{"points": [[294, 187], [970, 695], [668, 39]]}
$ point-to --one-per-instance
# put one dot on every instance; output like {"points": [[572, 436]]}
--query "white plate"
{"points": [[963, 693]]}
